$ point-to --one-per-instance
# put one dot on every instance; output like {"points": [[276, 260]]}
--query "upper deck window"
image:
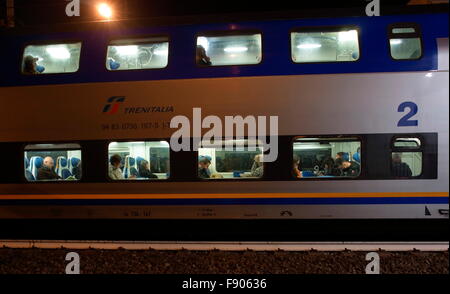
{"points": [[405, 42], [320, 45], [236, 49], [143, 53], [51, 58]]}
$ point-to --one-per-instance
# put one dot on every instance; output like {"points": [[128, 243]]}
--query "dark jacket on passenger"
{"points": [[203, 173], [45, 173], [401, 169], [352, 170], [146, 173]]}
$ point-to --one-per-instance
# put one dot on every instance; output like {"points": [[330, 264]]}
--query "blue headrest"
{"points": [[139, 160], [346, 156], [38, 161], [356, 157], [63, 162], [40, 68], [131, 161], [204, 156], [113, 64], [27, 163], [74, 161]]}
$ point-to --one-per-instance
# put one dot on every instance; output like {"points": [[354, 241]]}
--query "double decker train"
{"points": [[361, 103]]}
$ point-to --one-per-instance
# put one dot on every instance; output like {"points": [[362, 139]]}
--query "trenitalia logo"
{"points": [[113, 104]]}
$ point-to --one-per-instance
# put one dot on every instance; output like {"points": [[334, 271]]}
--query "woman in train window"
{"points": [[145, 172], [296, 167]]}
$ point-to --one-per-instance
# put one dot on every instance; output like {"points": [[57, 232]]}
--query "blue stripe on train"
{"points": [[243, 201]]}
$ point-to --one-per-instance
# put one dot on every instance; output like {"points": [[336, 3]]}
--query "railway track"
{"points": [[227, 246]]}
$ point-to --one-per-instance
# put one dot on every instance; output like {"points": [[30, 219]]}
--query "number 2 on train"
{"points": [[406, 120]]}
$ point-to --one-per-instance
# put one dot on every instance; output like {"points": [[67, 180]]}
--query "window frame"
{"points": [[324, 29], [82, 179], [416, 34], [406, 149], [109, 180], [51, 42], [227, 33], [361, 164]]}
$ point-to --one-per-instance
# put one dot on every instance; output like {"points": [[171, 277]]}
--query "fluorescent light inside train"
{"points": [[395, 41], [238, 49], [160, 52], [128, 50], [58, 52], [309, 46]]}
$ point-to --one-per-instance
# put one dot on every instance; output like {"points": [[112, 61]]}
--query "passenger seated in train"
{"points": [[399, 168], [348, 168], [144, 170], [203, 167], [296, 167], [114, 171], [257, 169], [46, 172], [30, 65], [201, 57], [328, 167]]}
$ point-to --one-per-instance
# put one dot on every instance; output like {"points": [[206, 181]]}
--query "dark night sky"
{"points": [[34, 12]]}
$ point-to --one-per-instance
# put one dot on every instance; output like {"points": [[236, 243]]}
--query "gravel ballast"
{"points": [[52, 261]]}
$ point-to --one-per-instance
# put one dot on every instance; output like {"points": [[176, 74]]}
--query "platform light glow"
{"points": [[309, 46], [429, 75], [104, 10], [128, 50], [58, 52], [237, 49]]}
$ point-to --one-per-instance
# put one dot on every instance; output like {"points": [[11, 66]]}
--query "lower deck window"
{"points": [[326, 157], [230, 159], [52, 162], [139, 160], [406, 157]]}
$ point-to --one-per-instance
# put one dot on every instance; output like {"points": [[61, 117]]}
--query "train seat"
{"points": [[28, 175], [36, 163], [130, 167], [73, 162], [62, 168]]}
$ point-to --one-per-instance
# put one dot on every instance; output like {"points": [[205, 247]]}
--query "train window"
{"points": [[230, 159], [236, 49], [51, 58], [325, 45], [406, 158], [405, 42], [52, 162], [326, 157], [144, 53], [139, 160]]}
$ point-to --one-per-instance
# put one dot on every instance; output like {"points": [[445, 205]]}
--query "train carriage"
{"points": [[371, 92]]}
